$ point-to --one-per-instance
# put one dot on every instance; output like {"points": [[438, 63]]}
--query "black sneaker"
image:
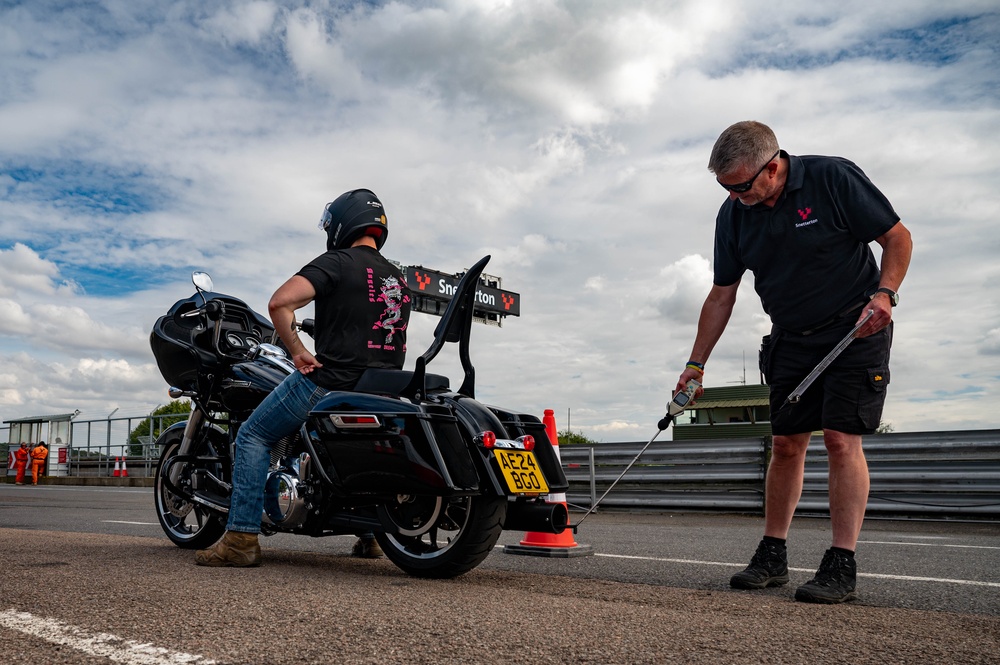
{"points": [[768, 567], [834, 582]]}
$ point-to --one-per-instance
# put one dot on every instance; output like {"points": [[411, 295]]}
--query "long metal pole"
{"points": [[593, 506], [796, 394]]}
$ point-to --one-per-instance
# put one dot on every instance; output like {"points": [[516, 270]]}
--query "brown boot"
{"points": [[240, 550], [366, 547]]}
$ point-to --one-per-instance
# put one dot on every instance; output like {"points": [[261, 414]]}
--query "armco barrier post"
{"points": [[560, 545]]}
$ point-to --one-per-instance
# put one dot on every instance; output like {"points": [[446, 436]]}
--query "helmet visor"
{"points": [[324, 221]]}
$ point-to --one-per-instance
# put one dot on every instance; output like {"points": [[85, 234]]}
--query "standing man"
{"points": [[39, 455], [803, 226], [362, 310], [20, 463]]}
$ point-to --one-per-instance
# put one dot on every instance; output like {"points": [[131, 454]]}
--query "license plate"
{"points": [[520, 469]]}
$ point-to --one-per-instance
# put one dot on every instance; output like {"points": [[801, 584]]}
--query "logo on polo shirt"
{"points": [[804, 214]]}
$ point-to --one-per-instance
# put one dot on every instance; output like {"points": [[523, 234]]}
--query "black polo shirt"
{"points": [[810, 253], [362, 310]]}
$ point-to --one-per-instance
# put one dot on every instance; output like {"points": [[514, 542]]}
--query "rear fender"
{"points": [[475, 419], [505, 424]]}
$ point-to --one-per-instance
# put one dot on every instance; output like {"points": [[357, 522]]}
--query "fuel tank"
{"points": [[248, 383]]}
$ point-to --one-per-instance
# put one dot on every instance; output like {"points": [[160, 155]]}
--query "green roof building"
{"points": [[727, 412]]}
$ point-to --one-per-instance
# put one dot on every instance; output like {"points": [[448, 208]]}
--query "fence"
{"points": [[952, 475], [96, 445]]}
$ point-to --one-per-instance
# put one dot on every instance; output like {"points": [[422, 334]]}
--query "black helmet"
{"points": [[352, 215]]}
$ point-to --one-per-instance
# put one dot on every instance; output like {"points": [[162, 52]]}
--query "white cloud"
{"points": [[568, 140], [319, 58], [681, 288], [991, 343], [246, 23], [23, 270], [13, 319]]}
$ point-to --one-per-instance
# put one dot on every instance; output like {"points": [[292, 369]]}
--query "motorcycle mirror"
{"points": [[202, 281]]}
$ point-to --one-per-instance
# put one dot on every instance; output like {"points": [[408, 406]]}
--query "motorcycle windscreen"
{"points": [[370, 444]]}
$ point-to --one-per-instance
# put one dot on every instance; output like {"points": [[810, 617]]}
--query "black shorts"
{"points": [[848, 397]]}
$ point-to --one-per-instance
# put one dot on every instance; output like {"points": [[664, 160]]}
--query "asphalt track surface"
{"points": [[89, 578]]}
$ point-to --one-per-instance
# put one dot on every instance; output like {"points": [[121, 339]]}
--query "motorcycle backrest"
{"points": [[455, 326]]}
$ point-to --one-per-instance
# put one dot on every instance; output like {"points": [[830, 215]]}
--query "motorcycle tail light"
{"points": [[359, 420], [487, 439], [527, 441]]}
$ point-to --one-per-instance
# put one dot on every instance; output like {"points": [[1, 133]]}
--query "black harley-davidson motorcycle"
{"points": [[435, 474]]}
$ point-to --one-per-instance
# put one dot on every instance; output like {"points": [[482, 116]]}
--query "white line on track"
{"points": [[893, 542], [102, 645], [127, 522], [907, 578]]}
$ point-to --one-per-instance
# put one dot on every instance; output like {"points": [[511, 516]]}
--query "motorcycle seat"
{"points": [[394, 381]]}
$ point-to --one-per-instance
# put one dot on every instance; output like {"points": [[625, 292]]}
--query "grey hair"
{"points": [[746, 144]]}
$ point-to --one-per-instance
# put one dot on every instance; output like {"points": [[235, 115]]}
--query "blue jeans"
{"points": [[281, 413]]}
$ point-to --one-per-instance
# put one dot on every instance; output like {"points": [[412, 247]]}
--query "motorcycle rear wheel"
{"points": [[440, 538], [188, 524]]}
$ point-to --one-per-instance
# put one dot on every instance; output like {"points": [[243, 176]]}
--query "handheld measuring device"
{"points": [[681, 401], [675, 407]]}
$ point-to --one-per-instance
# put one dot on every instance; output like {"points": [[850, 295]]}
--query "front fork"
{"points": [[187, 442]]}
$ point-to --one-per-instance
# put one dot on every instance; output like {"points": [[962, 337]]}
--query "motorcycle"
{"points": [[434, 473]]}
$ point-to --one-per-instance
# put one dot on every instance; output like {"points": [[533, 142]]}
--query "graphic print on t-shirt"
{"points": [[391, 294]]}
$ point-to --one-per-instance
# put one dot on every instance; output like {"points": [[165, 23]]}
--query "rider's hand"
{"points": [[688, 374], [306, 362]]}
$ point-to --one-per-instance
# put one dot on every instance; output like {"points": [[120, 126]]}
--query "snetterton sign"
{"points": [[433, 290]]}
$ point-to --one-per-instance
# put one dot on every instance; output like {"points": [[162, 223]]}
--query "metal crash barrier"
{"points": [[928, 475], [938, 475]]}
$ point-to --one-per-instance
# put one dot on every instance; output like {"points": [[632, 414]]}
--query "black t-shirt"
{"points": [[362, 310], [810, 253]]}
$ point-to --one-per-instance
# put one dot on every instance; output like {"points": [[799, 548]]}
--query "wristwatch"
{"points": [[893, 296]]}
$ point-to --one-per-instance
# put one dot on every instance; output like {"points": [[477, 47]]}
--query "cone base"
{"points": [[555, 552]]}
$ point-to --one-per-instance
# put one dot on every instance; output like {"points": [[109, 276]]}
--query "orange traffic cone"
{"points": [[560, 545], [124, 469], [118, 469]]}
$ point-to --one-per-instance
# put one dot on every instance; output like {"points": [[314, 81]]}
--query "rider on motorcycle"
{"points": [[362, 311]]}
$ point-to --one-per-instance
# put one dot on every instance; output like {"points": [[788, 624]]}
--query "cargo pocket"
{"points": [[872, 397], [764, 356]]}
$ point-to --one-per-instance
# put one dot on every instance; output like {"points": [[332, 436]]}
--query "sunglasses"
{"points": [[739, 188]]}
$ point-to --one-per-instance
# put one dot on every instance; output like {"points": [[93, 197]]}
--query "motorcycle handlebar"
{"points": [[214, 310]]}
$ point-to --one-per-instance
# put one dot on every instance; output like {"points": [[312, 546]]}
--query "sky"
{"points": [[569, 140]]}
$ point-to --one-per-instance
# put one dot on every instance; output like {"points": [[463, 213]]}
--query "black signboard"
{"points": [[433, 290]]}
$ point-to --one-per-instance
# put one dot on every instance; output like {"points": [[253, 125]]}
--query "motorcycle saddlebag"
{"points": [[371, 444]]}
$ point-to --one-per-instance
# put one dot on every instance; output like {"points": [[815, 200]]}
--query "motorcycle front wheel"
{"points": [[437, 537], [188, 524]]}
